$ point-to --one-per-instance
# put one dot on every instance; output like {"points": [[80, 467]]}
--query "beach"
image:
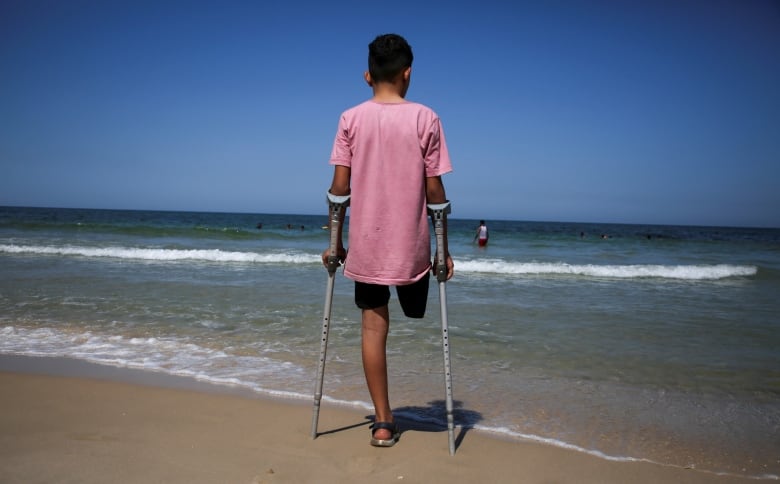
{"points": [[627, 346], [128, 427]]}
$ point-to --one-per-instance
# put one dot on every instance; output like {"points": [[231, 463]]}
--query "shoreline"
{"points": [[95, 423]]}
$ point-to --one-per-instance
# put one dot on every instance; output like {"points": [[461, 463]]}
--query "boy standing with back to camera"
{"points": [[389, 155]]}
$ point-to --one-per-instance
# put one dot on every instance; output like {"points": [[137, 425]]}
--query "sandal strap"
{"points": [[391, 426]]}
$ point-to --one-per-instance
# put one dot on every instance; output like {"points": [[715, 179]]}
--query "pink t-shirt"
{"points": [[390, 148]]}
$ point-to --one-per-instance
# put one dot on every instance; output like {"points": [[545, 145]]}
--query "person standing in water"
{"points": [[481, 236]]}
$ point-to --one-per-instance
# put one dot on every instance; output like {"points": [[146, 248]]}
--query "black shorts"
{"points": [[413, 297]]}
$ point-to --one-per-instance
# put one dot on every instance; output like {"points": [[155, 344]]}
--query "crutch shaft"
{"points": [[323, 354], [447, 368]]}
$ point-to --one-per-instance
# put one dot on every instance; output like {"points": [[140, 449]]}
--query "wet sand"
{"points": [[69, 421]]}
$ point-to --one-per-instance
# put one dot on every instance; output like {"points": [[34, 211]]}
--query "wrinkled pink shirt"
{"points": [[390, 148]]}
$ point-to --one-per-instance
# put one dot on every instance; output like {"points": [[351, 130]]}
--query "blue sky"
{"points": [[590, 111]]}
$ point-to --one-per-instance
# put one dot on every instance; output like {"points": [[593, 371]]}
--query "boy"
{"points": [[389, 155]]}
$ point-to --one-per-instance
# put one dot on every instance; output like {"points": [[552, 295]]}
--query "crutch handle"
{"points": [[335, 205], [438, 213]]}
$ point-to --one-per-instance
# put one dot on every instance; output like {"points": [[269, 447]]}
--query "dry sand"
{"points": [[65, 429]]}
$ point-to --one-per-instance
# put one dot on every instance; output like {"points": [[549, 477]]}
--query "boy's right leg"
{"points": [[376, 323]]}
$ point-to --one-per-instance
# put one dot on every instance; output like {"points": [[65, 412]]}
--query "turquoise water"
{"points": [[653, 342]]}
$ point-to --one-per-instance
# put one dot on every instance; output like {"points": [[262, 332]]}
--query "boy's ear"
{"points": [[407, 73], [367, 77]]}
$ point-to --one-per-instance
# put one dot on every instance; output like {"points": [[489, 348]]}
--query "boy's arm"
{"points": [[434, 193], [339, 186], [434, 190]]}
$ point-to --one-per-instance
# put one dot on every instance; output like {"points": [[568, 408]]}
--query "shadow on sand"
{"points": [[430, 418], [433, 418]]}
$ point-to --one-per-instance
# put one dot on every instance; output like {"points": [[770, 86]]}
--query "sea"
{"points": [[628, 342]]}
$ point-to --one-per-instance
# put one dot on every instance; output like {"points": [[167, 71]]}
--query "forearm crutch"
{"points": [[336, 205], [438, 213]]}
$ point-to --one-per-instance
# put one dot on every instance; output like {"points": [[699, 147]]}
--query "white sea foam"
{"points": [[628, 271], [171, 355], [154, 254]]}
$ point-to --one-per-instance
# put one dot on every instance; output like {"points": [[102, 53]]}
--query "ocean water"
{"points": [[629, 342]]}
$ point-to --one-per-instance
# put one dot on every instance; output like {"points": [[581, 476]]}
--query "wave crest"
{"points": [[627, 271], [203, 255]]}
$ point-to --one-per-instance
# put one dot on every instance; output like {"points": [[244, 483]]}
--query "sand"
{"points": [[108, 426]]}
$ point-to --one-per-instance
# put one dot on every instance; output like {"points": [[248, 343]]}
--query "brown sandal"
{"points": [[393, 428]]}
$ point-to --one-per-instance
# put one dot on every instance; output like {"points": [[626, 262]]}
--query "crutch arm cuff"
{"points": [[340, 199], [446, 207]]}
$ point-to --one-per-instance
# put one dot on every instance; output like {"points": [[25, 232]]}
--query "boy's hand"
{"points": [[341, 253], [450, 267]]}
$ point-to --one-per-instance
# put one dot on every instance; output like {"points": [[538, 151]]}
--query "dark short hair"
{"points": [[388, 55]]}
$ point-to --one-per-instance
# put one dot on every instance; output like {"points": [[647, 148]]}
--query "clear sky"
{"points": [[589, 111]]}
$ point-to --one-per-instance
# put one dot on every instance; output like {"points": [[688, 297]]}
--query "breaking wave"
{"points": [[628, 271], [486, 266], [155, 254]]}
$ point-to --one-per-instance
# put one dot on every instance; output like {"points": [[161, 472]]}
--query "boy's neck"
{"points": [[389, 92]]}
